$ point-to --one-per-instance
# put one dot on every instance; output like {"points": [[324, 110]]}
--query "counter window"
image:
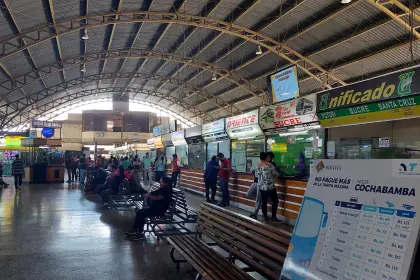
{"points": [[293, 153], [197, 156], [212, 150], [182, 153], [246, 154]]}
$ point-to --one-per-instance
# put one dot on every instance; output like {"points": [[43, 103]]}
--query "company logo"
{"points": [[319, 166], [411, 168], [404, 87]]}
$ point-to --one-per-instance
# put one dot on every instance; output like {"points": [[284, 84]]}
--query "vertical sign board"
{"points": [[357, 222]]}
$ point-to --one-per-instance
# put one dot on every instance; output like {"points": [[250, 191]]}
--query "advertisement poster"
{"points": [[177, 138], [157, 131], [357, 221], [284, 85], [289, 116]]}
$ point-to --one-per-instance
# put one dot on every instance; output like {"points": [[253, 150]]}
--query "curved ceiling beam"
{"points": [[17, 107], [41, 34], [26, 115], [77, 99], [49, 70]]}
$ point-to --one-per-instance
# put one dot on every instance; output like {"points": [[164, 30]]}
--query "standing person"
{"points": [[17, 172], [160, 166], [270, 158], [126, 163], [136, 162], [176, 169], [266, 174], [73, 166], [160, 201], [82, 170], [68, 167], [224, 174], [210, 178], [147, 168]]}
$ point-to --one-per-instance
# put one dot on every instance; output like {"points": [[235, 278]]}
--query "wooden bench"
{"points": [[261, 247]]}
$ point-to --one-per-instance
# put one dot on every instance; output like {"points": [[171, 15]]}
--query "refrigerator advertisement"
{"points": [[214, 131], [357, 221], [298, 114]]}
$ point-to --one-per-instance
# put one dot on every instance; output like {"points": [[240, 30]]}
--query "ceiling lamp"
{"points": [[345, 1], [83, 68], [259, 50], [214, 77], [86, 36]]}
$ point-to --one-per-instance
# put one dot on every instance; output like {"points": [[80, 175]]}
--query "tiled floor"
{"points": [[58, 232], [55, 232]]}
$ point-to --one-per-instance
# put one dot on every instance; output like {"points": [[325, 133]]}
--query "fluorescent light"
{"points": [[293, 133], [86, 36], [259, 51], [214, 77], [345, 1]]}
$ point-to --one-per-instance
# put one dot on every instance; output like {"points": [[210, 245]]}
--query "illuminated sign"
{"points": [[13, 141], [242, 120]]}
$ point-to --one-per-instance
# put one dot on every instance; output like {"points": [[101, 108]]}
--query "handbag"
{"points": [[252, 192]]}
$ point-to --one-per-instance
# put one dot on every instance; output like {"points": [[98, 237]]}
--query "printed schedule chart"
{"points": [[365, 242]]}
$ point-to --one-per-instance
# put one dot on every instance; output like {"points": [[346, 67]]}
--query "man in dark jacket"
{"points": [[210, 178]]}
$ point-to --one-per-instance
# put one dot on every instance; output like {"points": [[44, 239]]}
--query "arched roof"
{"points": [[196, 58]]}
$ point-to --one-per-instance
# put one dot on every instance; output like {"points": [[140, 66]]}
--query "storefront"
{"points": [[293, 135], [197, 150], [216, 137], [373, 119], [158, 143], [181, 147], [10, 145], [247, 141], [169, 147]]}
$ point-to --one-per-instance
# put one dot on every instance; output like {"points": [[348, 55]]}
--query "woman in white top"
{"points": [[266, 174]]}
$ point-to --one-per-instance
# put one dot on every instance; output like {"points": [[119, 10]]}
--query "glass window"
{"points": [[197, 156], [182, 153], [246, 154], [212, 150], [169, 151], [293, 153]]}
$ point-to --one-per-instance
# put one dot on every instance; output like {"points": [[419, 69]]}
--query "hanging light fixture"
{"points": [[345, 1], [85, 35], [83, 67], [214, 77], [259, 51]]}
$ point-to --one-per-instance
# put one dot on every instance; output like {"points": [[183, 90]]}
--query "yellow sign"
{"points": [[279, 147], [14, 141], [386, 115]]}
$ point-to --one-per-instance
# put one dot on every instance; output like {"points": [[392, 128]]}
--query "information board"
{"points": [[357, 222]]}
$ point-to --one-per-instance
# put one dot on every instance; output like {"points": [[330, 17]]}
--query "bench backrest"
{"points": [[260, 246]]}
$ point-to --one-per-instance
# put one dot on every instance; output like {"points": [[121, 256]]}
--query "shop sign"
{"points": [[166, 140], [294, 114], [384, 142], [178, 138], [358, 220], [47, 132], [242, 120], [395, 85], [13, 141], [247, 132], [157, 131], [157, 142], [150, 143], [403, 108], [42, 124], [214, 131], [193, 135]]}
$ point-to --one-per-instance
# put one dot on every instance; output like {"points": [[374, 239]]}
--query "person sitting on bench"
{"points": [[114, 186], [99, 178], [135, 184], [158, 204], [113, 172]]}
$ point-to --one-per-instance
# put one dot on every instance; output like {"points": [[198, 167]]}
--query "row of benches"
{"points": [[250, 246]]}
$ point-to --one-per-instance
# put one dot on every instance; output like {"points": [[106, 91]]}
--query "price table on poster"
{"points": [[365, 242]]}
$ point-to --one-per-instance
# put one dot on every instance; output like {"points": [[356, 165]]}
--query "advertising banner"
{"points": [[244, 126], [402, 108], [157, 142], [357, 221], [167, 140], [42, 124], [214, 131], [13, 141], [289, 116], [283, 85], [178, 138], [395, 85]]}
